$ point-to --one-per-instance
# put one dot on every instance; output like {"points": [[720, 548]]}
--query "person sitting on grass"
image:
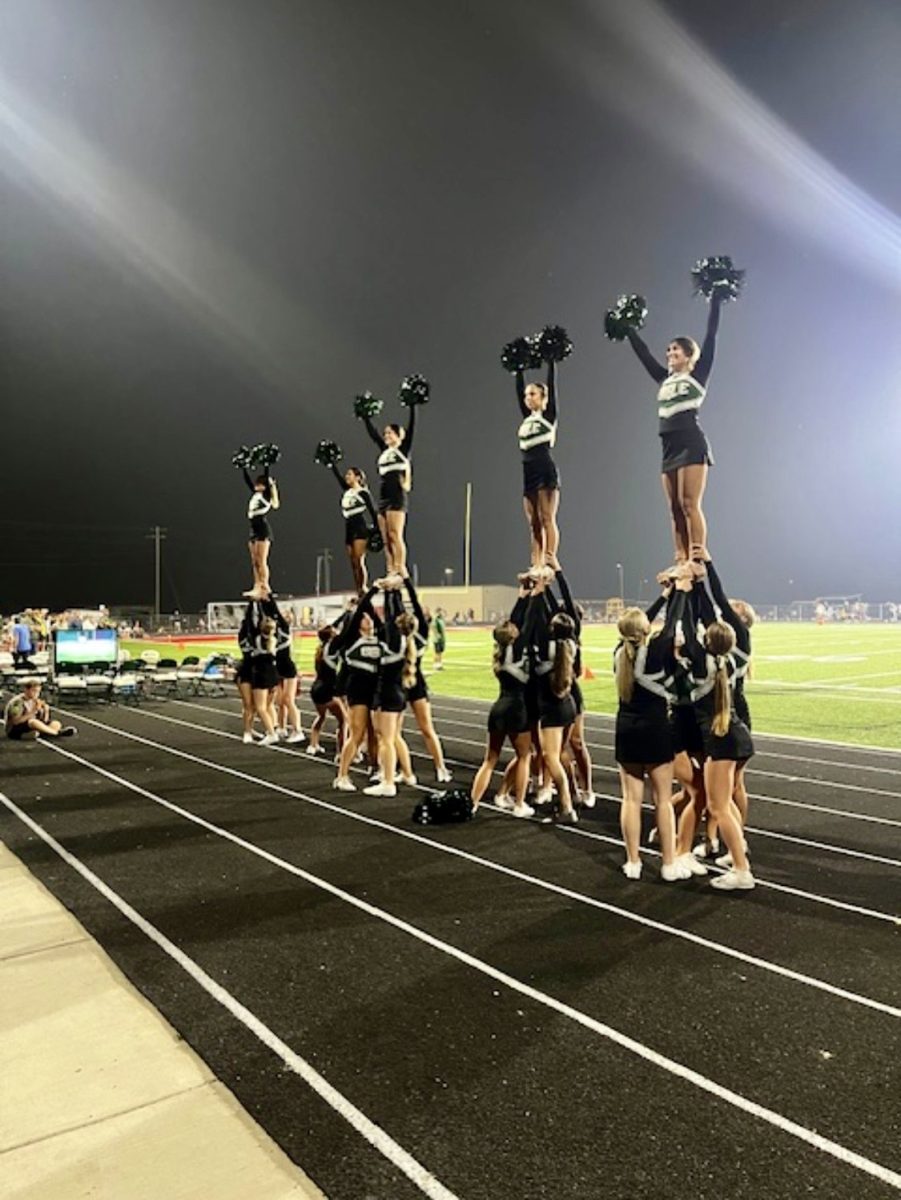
{"points": [[28, 716]]}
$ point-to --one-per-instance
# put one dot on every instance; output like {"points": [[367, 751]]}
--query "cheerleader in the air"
{"points": [[395, 444], [538, 406], [360, 519], [263, 499], [644, 666], [683, 387]]}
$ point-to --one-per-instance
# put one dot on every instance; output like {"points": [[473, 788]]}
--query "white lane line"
{"points": [[490, 864], [396, 1154], [439, 698], [838, 812], [766, 833], [374, 1134], [581, 831]]}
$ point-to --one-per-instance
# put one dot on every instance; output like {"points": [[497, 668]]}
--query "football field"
{"points": [[830, 682]]}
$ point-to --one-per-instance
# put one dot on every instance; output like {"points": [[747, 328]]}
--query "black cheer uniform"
{"points": [[419, 690], [509, 714], [393, 464], [258, 507], [328, 662], [643, 732], [684, 442], [554, 712], [357, 509], [537, 437], [736, 744], [742, 651], [360, 654], [284, 663]]}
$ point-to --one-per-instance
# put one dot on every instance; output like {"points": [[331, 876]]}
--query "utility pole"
{"points": [[158, 534], [467, 539], [327, 569]]}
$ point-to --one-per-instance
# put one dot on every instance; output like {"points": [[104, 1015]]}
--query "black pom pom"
{"points": [[264, 455], [554, 343], [444, 808], [374, 542], [717, 277], [328, 454], [367, 405], [535, 357], [629, 312], [414, 389], [241, 457], [516, 355]]}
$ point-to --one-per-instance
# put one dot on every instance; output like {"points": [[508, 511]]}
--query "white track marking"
{"points": [[398, 1156], [374, 1134], [489, 863]]}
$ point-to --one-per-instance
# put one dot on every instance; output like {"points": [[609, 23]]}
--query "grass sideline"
{"points": [[832, 682]]}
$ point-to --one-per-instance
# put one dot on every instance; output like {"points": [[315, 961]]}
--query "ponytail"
{"points": [[633, 628], [722, 698], [625, 670], [504, 634], [267, 633], [562, 672], [407, 627]]}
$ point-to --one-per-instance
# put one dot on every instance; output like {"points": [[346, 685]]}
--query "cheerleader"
{"points": [[577, 743], [509, 718], [644, 666], [356, 507], [263, 499], [541, 481], [727, 739], [741, 616], [361, 651], [288, 722], [326, 664], [397, 671], [552, 652], [416, 632], [686, 451], [395, 444], [242, 675], [264, 674]]}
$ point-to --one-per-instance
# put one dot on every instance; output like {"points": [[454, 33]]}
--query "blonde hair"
{"points": [[633, 627], [406, 623], [720, 641], [562, 627], [745, 611], [505, 634], [267, 631]]}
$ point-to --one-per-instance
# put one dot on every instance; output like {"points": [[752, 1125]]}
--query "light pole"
{"points": [[642, 585], [448, 576], [622, 590]]}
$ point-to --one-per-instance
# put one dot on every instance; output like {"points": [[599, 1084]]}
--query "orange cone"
{"points": [[587, 673]]}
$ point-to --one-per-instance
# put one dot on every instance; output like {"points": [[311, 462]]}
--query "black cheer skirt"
{"points": [[685, 448], [538, 473], [735, 745], [642, 739], [509, 716], [263, 673]]}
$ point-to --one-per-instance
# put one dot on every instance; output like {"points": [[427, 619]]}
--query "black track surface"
{"points": [[495, 1092]]}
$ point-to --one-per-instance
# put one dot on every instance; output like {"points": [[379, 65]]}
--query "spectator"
{"points": [[23, 645], [28, 714]]}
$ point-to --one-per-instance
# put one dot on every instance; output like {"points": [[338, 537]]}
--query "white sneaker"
{"points": [[734, 880], [589, 799], [724, 860], [283, 734], [380, 789], [314, 750], [270, 739], [294, 739], [444, 775], [358, 757], [507, 803], [410, 780], [570, 817], [247, 739], [671, 872], [522, 810], [691, 864], [632, 870], [342, 784], [545, 795], [702, 850]]}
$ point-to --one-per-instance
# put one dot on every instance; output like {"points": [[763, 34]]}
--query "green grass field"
{"points": [[838, 683]]}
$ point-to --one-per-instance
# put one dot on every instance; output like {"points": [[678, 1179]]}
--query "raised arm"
{"points": [[520, 380], [408, 439], [708, 349], [730, 616], [370, 507], [374, 433], [551, 410], [653, 612], [247, 479], [342, 483], [351, 630], [693, 650], [656, 370], [420, 616], [660, 647], [569, 605]]}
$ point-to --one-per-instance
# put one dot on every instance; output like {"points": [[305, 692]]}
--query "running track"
{"points": [[492, 1010]]}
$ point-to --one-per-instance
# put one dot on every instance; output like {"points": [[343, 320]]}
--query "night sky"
{"points": [[220, 220]]}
